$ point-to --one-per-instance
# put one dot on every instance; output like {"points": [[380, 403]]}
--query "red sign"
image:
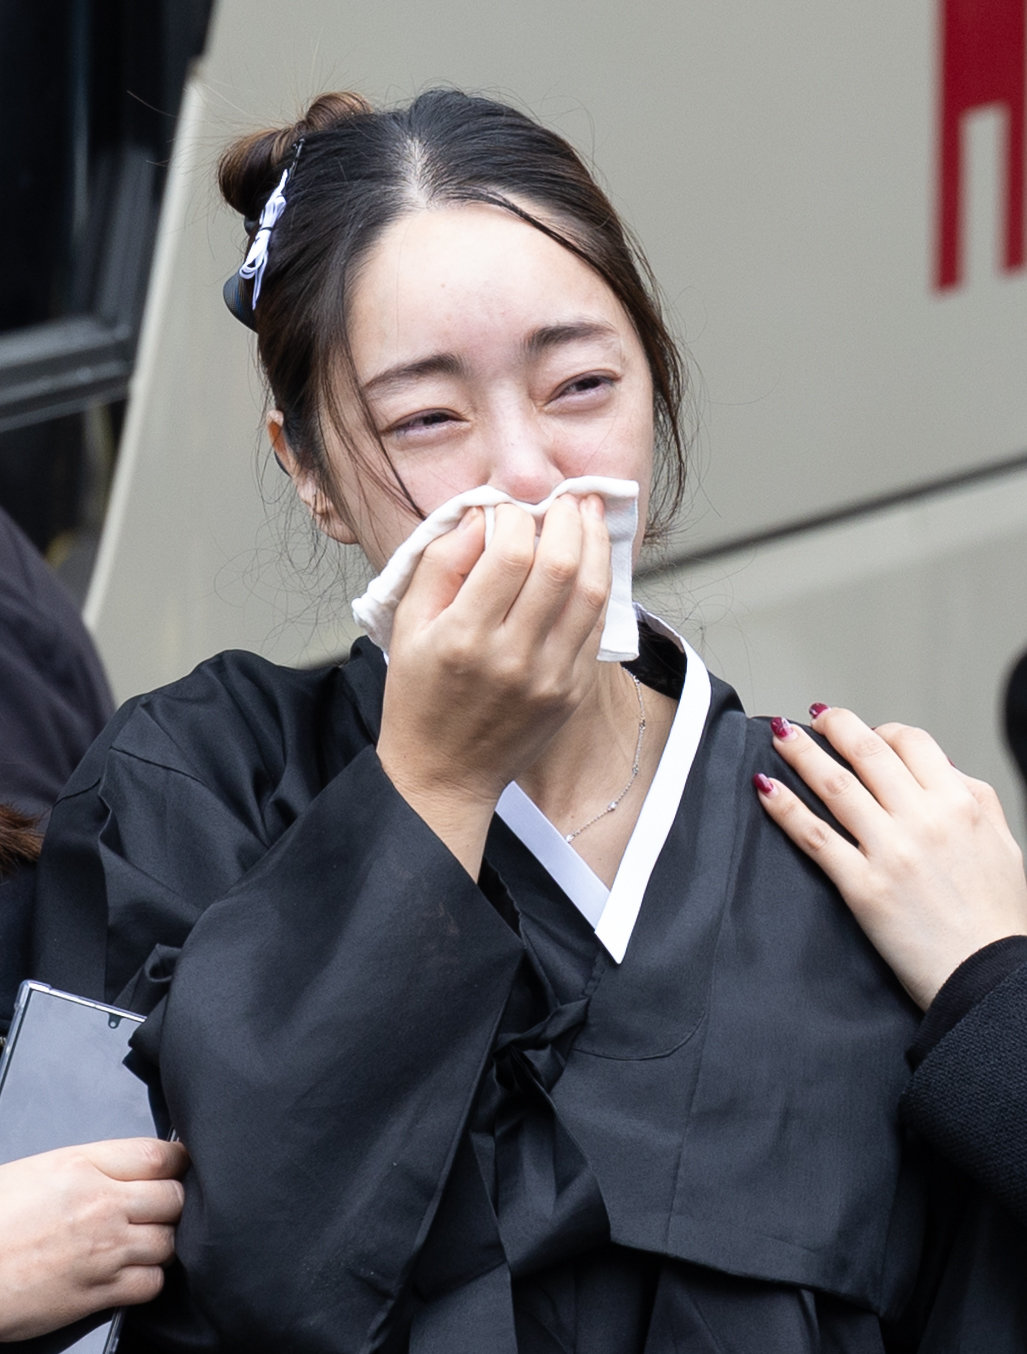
{"points": [[983, 63]]}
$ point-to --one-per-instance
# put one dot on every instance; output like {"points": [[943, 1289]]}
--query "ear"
{"points": [[321, 508]]}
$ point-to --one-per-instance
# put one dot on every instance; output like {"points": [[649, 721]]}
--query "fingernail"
{"points": [[817, 709], [781, 727], [763, 783], [594, 505]]}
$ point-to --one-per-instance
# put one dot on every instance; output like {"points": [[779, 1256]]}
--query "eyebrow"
{"points": [[542, 340], [553, 335], [405, 373]]}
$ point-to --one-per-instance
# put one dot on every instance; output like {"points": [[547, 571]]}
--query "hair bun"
{"points": [[328, 110], [249, 168]]}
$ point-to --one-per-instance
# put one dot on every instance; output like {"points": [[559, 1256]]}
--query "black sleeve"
{"points": [[968, 1093], [16, 895], [334, 998], [965, 986], [54, 697], [322, 1076]]}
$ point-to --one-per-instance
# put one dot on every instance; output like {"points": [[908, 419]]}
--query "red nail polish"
{"points": [[780, 727], [817, 709], [763, 783]]}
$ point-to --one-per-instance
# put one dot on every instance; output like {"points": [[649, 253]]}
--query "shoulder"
{"points": [[40, 620], [233, 693], [757, 752], [238, 713], [53, 694], [777, 884]]}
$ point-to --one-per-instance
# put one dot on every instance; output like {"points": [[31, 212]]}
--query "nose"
{"points": [[524, 464]]}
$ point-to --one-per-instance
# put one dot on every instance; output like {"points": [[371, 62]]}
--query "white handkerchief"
{"points": [[376, 608]]}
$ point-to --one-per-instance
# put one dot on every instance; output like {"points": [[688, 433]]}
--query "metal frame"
{"points": [[67, 365]]}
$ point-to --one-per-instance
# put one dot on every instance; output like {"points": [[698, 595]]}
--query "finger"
{"points": [[134, 1285], [836, 857], [153, 1200], [876, 768], [570, 581], [121, 1250], [554, 567], [585, 611], [444, 567], [150, 1243], [138, 1158], [919, 753], [845, 796], [494, 584], [990, 807]]}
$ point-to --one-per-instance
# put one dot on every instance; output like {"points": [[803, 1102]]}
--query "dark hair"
{"points": [[358, 170], [19, 840]]}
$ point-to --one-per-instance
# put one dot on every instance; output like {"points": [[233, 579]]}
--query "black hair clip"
{"points": [[238, 302]]}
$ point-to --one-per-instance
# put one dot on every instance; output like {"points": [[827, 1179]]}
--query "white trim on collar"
{"points": [[613, 912]]}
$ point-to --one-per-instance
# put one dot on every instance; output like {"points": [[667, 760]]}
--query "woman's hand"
{"points": [[85, 1228], [935, 873], [493, 649]]}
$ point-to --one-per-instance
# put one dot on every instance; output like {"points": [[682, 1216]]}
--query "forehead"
{"points": [[468, 274]]}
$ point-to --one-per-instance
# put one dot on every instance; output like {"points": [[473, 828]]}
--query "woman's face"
{"points": [[488, 354]]}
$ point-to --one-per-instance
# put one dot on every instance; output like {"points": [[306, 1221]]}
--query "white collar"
{"points": [[613, 912]]}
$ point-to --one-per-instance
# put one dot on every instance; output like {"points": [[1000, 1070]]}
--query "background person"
{"points": [[81, 1228], [54, 697]]}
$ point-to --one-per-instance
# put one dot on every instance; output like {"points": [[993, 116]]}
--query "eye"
{"points": [[586, 389], [425, 421]]}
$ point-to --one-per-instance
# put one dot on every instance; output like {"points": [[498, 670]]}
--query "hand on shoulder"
{"points": [[933, 872]]}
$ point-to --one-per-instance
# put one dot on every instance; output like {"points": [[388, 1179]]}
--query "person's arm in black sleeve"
{"points": [[320, 1049], [331, 1010], [968, 1092]]}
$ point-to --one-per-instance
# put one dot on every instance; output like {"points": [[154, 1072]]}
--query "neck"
{"points": [[589, 763], [590, 760]]}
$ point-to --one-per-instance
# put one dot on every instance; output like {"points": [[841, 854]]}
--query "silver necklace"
{"points": [[635, 765]]}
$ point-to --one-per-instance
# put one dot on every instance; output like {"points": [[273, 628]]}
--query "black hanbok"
{"points": [[431, 1114]]}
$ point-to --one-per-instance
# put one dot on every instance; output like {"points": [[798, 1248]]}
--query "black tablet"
{"points": [[66, 1078]]}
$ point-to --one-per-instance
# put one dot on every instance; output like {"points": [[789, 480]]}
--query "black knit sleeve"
{"points": [[968, 1094]]}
